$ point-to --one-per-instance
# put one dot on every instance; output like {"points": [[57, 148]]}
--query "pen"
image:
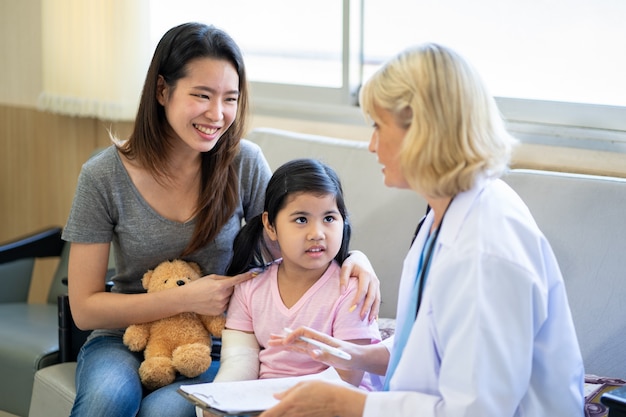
{"points": [[326, 348]]}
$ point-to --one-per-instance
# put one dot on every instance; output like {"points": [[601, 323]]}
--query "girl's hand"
{"points": [[357, 265]]}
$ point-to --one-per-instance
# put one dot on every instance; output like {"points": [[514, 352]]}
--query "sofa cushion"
{"points": [[583, 218], [54, 391], [28, 342]]}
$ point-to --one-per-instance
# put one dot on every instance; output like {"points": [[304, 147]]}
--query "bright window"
{"points": [[557, 62], [557, 50], [285, 42]]}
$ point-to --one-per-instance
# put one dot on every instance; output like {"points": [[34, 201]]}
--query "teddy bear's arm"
{"points": [[136, 336], [214, 324]]}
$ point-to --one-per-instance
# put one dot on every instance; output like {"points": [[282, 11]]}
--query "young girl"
{"points": [[306, 218]]}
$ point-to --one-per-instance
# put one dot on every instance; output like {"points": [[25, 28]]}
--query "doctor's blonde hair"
{"points": [[455, 133]]}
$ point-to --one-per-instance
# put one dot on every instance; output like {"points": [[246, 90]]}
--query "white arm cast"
{"points": [[239, 358]]}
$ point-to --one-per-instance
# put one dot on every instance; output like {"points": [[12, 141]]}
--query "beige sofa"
{"points": [[582, 216]]}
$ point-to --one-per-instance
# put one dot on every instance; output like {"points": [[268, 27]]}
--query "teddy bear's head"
{"points": [[170, 274]]}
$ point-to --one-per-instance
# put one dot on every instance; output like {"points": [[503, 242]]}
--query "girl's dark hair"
{"points": [[149, 143], [297, 176]]}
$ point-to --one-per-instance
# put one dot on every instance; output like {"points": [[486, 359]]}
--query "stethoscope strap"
{"points": [[429, 252], [421, 222]]}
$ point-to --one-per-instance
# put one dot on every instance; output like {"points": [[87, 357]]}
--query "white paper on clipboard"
{"points": [[241, 397]]}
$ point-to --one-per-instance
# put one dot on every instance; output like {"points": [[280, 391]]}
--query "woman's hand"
{"points": [[357, 265], [210, 294], [95, 308], [318, 399]]}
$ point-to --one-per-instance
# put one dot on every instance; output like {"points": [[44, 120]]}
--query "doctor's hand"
{"points": [[318, 399], [204, 413], [293, 343]]}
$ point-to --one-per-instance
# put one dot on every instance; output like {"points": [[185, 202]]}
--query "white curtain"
{"points": [[95, 57]]}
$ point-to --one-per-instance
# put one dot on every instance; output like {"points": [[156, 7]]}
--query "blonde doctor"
{"points": [[483, 321]]}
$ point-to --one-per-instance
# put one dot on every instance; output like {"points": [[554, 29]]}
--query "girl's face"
{"points": [[308, 229], [203, 104], [386, 142]]}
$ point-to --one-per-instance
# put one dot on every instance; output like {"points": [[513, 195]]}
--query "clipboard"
{"points": [[203, 405], [247, 398]]}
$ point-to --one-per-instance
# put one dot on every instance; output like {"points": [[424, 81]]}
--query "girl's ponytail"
{"points": [[248, 248]]}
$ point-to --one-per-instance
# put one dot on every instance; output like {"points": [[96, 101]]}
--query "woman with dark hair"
{"points": [[178, 187]]}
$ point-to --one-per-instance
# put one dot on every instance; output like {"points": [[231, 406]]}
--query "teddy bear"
{"points": [[180, 343]]}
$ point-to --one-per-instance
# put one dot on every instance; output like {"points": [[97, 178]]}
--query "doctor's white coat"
{"points": [[494, 335]]}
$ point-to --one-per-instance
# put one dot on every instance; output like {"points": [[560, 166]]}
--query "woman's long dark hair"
{"points": [[297, 176], [149, 144]]}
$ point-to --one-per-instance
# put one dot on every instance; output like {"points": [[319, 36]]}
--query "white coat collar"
{"points": [[456, 213]]}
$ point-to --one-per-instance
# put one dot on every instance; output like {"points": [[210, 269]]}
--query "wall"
{"points": [[41, 153]]}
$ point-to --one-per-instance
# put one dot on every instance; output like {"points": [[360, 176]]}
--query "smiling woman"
{"points": [[178, 187], [201, 106]]}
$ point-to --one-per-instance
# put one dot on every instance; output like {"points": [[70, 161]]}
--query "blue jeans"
{"points": [[107, 384]]}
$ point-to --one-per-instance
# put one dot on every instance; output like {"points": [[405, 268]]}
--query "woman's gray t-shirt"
{"points": [[108, 208]]}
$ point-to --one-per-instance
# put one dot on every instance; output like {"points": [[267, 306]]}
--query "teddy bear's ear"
{"points": [[195, 267], [145, 281]]}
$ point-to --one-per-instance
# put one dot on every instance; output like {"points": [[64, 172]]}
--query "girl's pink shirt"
{"points": [[256, 306]]}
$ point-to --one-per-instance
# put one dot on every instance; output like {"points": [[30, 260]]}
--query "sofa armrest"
{"points": [[71, 338], [17, 261], [42, 244]]}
